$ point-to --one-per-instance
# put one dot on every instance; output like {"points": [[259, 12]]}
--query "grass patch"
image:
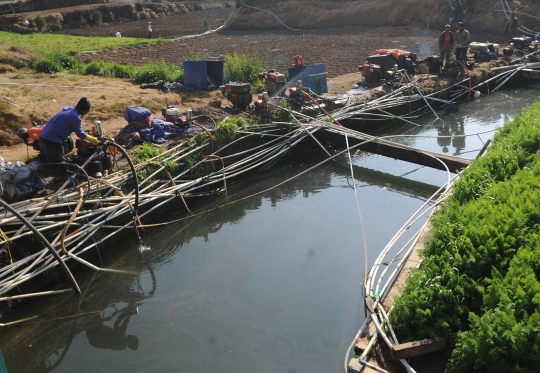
{"points": [[153, 72], [110, 70], [43, 44]]}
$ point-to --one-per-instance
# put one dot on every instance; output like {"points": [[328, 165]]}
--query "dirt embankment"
{"points": [[37, 97], [481, 16], [70, 18]]}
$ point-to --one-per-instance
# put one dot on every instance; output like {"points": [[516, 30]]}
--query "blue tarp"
{"points": [[160, 131], [137, 115]]}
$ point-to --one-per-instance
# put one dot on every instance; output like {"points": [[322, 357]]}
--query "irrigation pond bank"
{"points": [[271, 281], [480, 265]]}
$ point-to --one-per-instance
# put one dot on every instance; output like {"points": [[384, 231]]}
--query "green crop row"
{"points": [[482, 263], [151, 72]]}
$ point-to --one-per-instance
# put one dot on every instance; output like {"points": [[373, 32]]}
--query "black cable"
{"points": [[132, 166], [44, 241]]}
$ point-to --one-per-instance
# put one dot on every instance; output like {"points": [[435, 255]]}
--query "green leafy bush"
{"points": [[206, 25], [110, 70], [283, 115], [48, 65], [226, 131], [97, 17], [153, 72], [56, 62], [481, 266], [82, 22], [53, 23], [40, 22], [241, 67]]}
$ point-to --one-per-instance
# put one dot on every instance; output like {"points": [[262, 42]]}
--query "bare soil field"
{"points": [[167, 27], [341, 49]]}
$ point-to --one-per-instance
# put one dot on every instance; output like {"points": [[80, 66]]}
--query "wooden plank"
{"points": [[422, 347], [402, 152]]}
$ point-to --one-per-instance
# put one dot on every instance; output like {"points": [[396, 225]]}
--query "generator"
{"points": [[172, 115], [274, 82], [239, 94], [434, 64], [31, 136], [371, 72], [384, 61]]}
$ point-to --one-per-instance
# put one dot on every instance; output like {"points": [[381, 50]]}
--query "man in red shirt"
{"points": [[446, 41]]}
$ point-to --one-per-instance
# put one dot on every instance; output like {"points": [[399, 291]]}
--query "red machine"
{"points": [[31, 134], [298, 61], [274, 82], [371, 72]]}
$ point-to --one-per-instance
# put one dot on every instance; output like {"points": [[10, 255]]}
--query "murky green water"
{"points": [[271, 284]]}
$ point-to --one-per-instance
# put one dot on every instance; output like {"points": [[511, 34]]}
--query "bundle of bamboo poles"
{"points": [[76, 219]]}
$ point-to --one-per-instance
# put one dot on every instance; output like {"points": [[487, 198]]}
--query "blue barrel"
{"points": [[195, 75]]}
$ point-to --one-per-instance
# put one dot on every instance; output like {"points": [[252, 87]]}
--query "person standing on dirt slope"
{"points": [[446, 42], [511, 26], [150, 30], [58, 129], [462, 38]]}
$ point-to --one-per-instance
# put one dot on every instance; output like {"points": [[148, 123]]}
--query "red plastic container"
{"points": [[298, 61]]}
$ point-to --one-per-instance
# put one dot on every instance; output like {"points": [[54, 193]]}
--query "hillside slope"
{"points": [[481, 16]]}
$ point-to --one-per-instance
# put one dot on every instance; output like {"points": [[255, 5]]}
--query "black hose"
{"points": [[132, 166], [80, 168], [44, 241]]}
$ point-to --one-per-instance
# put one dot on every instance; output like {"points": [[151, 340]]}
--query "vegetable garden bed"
{"points": [[481, 267]]}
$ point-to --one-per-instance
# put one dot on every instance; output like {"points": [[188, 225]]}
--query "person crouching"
{"points": [[58, 129]]}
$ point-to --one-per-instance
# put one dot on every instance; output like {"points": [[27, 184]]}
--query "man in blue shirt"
{"points": [[58, 129]]}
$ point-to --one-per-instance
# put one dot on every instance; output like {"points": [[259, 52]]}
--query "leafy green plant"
{"points": [[226, 131], [82, 22], [40, 22], [97, 17], [283, 115], [241, 67], [145, 152], [48, 65], [206, 25], [110, 70]]}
